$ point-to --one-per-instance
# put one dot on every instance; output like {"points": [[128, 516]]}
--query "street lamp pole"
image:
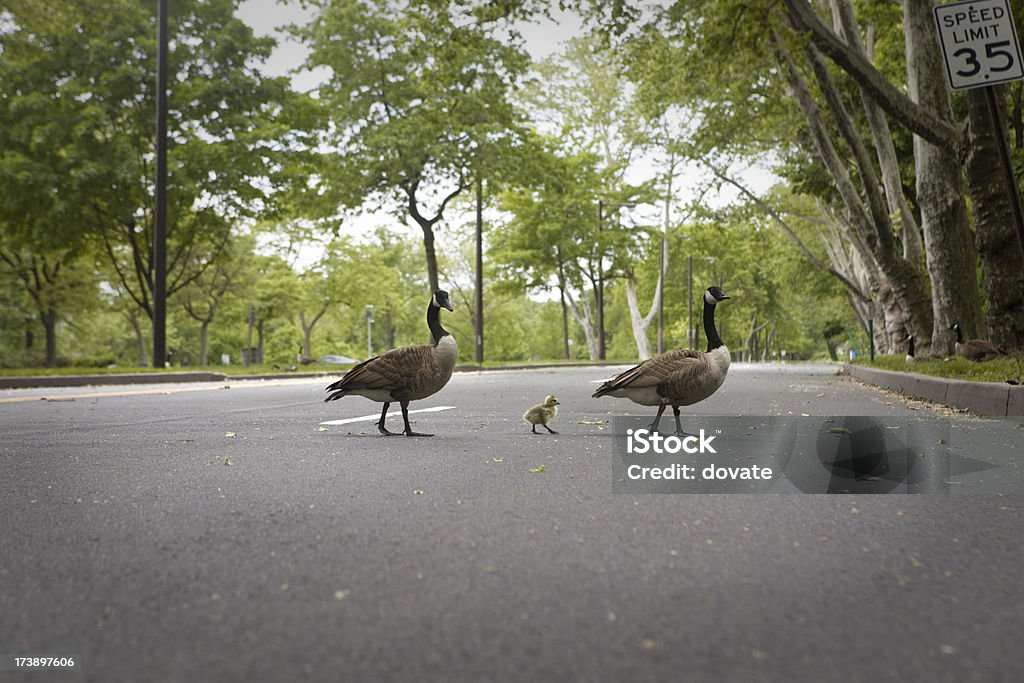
{"points": [[369, 331], [600, 281], [661, 299], [160, 200], [690, 332], [600, 273]]}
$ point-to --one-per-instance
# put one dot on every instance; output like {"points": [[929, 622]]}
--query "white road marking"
{"points": [[376, 416]]}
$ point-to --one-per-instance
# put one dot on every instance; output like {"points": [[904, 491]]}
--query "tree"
{"points": [[928, 118], [416, 97], [80, 119], [552, 238]]}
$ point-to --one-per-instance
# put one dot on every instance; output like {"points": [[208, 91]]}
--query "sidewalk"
{"points": [[996, 399]]}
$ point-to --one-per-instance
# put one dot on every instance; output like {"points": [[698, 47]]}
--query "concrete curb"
{"points": [[982, 398]]}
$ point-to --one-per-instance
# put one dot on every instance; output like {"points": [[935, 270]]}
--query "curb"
{"points": [[982, 398]]}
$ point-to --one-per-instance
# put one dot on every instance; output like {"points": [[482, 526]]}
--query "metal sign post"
{"points": [[981, 49]]}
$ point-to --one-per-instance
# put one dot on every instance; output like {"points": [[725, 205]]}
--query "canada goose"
{"points": [[676, 378], [541, 414], [301, 358], [405, 374], [974, 349], [909, 360]]}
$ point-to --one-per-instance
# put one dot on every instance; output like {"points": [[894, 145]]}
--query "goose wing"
{"points": [[399, 371], [689, 379], [654, 371]]}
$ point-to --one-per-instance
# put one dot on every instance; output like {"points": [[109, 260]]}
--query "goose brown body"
{"points": [[408, 373], [676, 378], [974, 349]]}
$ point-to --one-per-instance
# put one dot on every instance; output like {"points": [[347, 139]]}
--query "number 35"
{"points": [[992, 52]]}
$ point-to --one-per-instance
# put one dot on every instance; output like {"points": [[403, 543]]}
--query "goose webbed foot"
{"points": [[380, 423], [550, 429]]}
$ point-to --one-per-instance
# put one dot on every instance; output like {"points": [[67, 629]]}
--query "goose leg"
{"points": [[679, 427], [533, 428], [380, 424], [654, 425], [550, 429], [405, 416]]}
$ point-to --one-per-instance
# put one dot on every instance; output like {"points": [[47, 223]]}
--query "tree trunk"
{"points": [[869, 225], [948, 249], [428, 248], [140, 339], [203, 335], [581, 312], [259, 342], [996, 239], [49, 320], [642, 323], [885, 149]]}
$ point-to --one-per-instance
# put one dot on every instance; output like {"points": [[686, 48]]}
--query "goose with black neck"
{"points": [[677, 378], [405, 374]]}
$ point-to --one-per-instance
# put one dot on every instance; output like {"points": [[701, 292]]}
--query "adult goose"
{"points": [[405, 374], [676, 378], [909, 360], [974, 349]]}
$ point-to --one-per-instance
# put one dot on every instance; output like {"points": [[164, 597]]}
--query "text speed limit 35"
{"points": [[979, 43]]}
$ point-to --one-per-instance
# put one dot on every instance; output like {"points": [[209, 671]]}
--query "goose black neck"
{"points": [[714, 341], [910, 349], [434, 323], [959, 335]]}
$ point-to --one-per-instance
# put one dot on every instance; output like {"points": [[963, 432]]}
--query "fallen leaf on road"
{"points": [[228, 461], [229, 435], [591, 422], [539, 468]]}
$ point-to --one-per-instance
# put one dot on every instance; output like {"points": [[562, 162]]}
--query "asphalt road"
{"points": [[202, 533]]}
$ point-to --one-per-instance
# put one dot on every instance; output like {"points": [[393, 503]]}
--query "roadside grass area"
{"points": [[999, 370]]}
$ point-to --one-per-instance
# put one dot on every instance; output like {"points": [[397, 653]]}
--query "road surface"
{"points": [[206, 533]]}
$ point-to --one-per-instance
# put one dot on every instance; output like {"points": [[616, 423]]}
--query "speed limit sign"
{"points": [[979, 43]]}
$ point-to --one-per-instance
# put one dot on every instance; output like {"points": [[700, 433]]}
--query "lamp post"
{"points": [[600, 274], [160, 199], [694, 334], [369, 331]]}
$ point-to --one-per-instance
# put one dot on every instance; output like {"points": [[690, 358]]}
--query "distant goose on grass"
{"points": [[405, 374], [974, 349], [541, 414], [909, 360], [676, 378]]}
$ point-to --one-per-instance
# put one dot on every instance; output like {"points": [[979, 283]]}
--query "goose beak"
{"points": [[448, 305]]}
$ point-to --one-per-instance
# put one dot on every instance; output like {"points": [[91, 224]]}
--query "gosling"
{"points": [[541, 414]]}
